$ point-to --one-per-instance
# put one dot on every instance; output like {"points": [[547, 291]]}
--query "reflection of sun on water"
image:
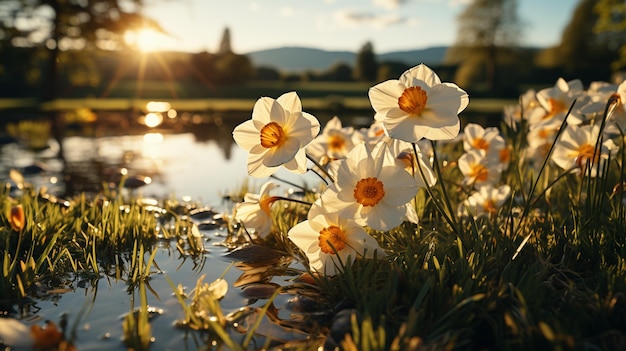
{"points": [[157, 110], [153, 119], [153, 138], [152, 143]]}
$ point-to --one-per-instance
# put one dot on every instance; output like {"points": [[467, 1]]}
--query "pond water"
{"points": [[187, 165]]}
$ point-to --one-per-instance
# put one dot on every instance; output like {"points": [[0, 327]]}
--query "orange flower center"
{"points": [[407, 159], [544, 133], [480, 143], [413, 100], [332, 239], [266, 202], [490, 207], [584, 154], [369, 191], [336, 142], [586, 151], [479, 172], [556, 107], [505, 155], [272, 135]]}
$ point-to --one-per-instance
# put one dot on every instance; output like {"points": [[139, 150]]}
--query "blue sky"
{"points": [[197, 25]]}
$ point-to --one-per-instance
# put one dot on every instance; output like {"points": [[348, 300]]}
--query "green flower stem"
{"points": [[439, 206], [293, 200], [529, 202], [322, 169], [290, 183]]}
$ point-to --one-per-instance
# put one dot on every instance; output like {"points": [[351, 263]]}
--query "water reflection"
{"points": [[180, 157], [184, 154]]}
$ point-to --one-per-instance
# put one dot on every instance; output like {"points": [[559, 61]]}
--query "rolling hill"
{"points": [[295, 59]]}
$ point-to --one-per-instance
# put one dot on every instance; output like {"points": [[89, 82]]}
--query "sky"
{"points": [[341, 25]]}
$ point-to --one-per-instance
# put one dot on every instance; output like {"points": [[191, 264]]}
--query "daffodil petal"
{"points": [[385, 95], [384, 217], [261, 111], [421, 72], [256, 168], [277, 156], [246, 135], [290, 101]]}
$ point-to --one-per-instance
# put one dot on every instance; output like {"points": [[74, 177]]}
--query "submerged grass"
{"points": [[107, 235]]}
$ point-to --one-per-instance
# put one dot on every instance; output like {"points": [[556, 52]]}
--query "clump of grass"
{"points": [[204, 311], [108, 234], [137, 332]]}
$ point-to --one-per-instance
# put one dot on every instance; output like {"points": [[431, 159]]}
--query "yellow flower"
{"points": [[475, 137], [404, 155], [254, 212], [486, 201], [479, 170], [371, 188], [577, 148], [329, 240], [334, 142], [419, 105], [557, 100], [276, 135]]}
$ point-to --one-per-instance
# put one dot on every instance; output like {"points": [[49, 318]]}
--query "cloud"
{"points": [[351, 18], [455, 3], [394, 4], [390, 4]]}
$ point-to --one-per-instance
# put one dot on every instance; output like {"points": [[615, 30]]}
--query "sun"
{"points": [[145, 39]]}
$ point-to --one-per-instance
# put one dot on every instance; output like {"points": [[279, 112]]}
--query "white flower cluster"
{"points": [[373, 175]]}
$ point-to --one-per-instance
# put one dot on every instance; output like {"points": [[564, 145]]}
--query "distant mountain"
{"points": [[299, 58], [430, 56], [295, 59]]}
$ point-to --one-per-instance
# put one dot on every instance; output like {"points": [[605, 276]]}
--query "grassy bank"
{"points": [[222, 104]]}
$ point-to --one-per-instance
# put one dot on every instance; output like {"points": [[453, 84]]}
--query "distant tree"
{"points": [[390, 70], [291, 77], [232, 68], [53, 26], [266, 73], [610, 28], [339, 72], [366, 67], [61, 25], [581, 51], [484, 27], [225, 47], [202, 65]]}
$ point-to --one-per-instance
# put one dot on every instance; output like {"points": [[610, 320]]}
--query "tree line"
{"points": [[79, 51]]}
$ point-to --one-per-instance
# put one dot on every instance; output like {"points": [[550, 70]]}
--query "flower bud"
{"points": [[16, 219]]}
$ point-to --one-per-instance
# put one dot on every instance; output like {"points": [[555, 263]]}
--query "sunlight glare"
{"points": [[158, 106], [145, 39]]}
